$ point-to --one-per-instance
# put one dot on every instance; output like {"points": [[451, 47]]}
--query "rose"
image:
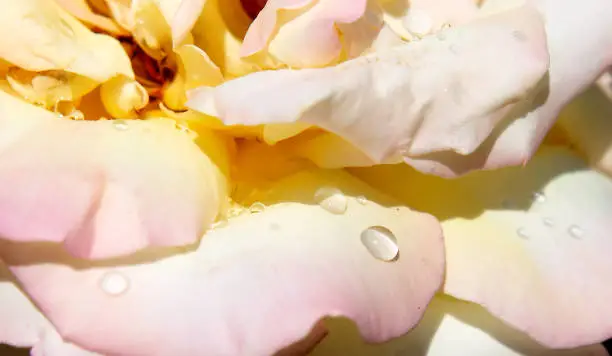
{"points": [[308, 242]]}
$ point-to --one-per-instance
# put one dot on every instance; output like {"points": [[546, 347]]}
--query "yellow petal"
{"points": [[220, 31], [82, 11], [123, 97], [43, 36], [195, 69]]}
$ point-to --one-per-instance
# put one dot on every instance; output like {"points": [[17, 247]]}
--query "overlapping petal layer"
{"points": [[306, 33], [24, 326], [252, 286], [104, 188], [530, 244], [449, 327], [444, 93]]}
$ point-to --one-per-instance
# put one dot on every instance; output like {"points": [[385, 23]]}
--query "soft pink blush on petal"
{"points": [[444, 93], [102, 188], [24, 326], [309, 39], [531, 244], [253, 286]]}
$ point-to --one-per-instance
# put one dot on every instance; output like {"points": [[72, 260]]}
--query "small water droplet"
{"points": [[548, 222], [575, 231], [257, 208], [361, 200], [522, 233], [331, 199], [120, 125], [454, 49], [539, 197], [114, 283], [380, 242]]}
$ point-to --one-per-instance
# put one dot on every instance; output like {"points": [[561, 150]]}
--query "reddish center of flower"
{"points": [[253, 7]]}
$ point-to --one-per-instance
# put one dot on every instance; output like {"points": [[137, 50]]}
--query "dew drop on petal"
{"points": [[548, 222], [257, 207], [114, 283], [331, 199], [522, 233], [380, 242], [361, 200], [575, 231], [418, 23], [120, 125]]}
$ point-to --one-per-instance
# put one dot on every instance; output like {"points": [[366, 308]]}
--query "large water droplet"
{"points": [[331, 199], [418, 22], [380, 242], [575, 231], [120, 125], [522, 233], [257, 207], [114, 283]]}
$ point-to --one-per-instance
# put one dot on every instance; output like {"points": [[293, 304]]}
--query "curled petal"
{"points": [[123, 97], [103, 188], [444, 93], [252, 286], [530, 244], [45, 37], [24, 326], [449, 327], [303, 33]]}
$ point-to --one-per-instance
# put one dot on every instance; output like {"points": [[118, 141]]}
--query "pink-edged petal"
{"points": [[530, 244], [306, 33], [587, 122], [441, 94], [24, 326], [252, 286], [103, 188], [449, 327]]}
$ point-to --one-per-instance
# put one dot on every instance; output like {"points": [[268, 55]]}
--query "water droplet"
{"points": [[508, 204], [120, 125], [114, 283], [548, 222], [257, 208], [380, 242], [331, 199], [361, 200], [539, 197], [522, 233], [219, 224], [454, 49], [575, 231]]}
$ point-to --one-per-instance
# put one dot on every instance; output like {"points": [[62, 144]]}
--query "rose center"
{"points": [[253, 7]]}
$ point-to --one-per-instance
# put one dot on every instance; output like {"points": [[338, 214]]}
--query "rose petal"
{"points": [[24, 326], [84, 12], [252, 286], [45, 37], [303, 33], [104, 188], [530, 244], [587, 122], [449, 327], [416, 18], [438, 94]]}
